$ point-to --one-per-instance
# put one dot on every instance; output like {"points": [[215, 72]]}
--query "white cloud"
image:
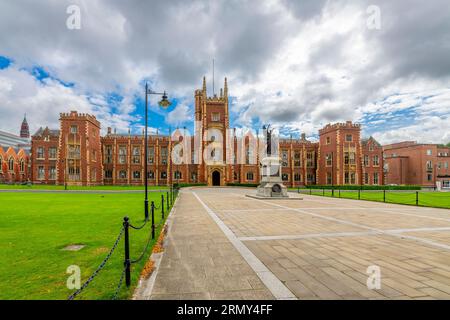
{"points": [[427, 130], [296, 64], [21, 93], [179, 115]]}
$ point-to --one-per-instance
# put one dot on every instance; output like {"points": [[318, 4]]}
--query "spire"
{"points": [[24, 129], [225, 88], [204, 85]]}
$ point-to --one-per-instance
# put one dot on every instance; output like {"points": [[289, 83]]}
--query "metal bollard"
{"points": [[417, 198], [359, 194], [153, 220], [127, 263], [384, 195], [162, 206]]}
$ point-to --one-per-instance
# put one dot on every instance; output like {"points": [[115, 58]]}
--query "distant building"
{"points": [[14, 165], [421, 164], [14, 156], [24, 129], [11, 140]]}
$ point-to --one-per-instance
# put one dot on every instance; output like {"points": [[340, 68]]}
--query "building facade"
{"points": [[345, 159], [409, 162], [76, 154], [14, 165]]}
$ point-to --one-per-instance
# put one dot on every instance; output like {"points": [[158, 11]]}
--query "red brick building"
{"points": [[79, 150], [44, 155], [345, 159], [76, 154], [409, 162], [372, 162], [14, 165]]}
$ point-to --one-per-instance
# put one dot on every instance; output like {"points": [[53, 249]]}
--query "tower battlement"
{"points": [[339, 125], [74, 115]]}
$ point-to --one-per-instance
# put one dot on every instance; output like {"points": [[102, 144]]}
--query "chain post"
{"points": [[127, 263], [162, 206], [339, 193], [153, 220], [167, 200], [417, 198], [384, 195], [359, 194]]}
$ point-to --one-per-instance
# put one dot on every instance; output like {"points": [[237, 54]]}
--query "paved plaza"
{"points": [[224, 245]]}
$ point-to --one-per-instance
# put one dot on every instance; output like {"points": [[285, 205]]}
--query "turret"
{"points": [[225, 89], [24, 129]]}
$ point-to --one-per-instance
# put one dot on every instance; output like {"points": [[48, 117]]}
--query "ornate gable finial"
{"points": [[225, 87], [204, 85]]}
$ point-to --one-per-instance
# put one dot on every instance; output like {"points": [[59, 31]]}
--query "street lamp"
{"points": [[164, 103], [332, 173]]}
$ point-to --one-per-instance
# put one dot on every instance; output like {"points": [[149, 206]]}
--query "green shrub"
{"points": [[250, 185], [363, 187], [184, 185]]}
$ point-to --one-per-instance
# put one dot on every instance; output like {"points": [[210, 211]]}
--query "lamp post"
{"points": [[164, 103], [332, 174]]}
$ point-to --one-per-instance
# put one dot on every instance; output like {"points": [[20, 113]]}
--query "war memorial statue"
{"points": [[271, 185]]}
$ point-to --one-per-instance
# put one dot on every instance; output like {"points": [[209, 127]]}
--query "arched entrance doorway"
{"points": [[216, 178]]}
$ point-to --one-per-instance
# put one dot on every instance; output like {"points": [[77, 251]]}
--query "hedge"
{"points": [[364, 187], [184, 185], [250, 185]]}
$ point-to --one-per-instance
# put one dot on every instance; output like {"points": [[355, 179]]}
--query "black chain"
{"points": [[100, 267], [140, 227], [145, 249], [120, 283]]}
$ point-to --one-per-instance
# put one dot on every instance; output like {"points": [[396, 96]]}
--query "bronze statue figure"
{"points": [[268, 139]]}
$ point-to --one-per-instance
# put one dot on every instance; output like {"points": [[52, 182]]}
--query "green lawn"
{"points": [[426, 199], [34, 227], [61, 187]]}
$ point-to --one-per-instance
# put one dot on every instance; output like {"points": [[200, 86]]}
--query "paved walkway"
{"points": [[223, 245]]}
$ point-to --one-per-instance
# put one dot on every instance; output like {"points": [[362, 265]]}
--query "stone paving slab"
{"points": [[318, 248], [199, 262]]}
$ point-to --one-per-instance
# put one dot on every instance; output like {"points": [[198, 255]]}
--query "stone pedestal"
{"points": [[271, 185], [272, 189]]}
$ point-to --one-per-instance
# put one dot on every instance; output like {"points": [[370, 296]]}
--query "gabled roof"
{"points": [[365, 141], [46, 131]]}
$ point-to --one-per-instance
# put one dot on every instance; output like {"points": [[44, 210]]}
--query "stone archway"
{"points": [[215, 178]]}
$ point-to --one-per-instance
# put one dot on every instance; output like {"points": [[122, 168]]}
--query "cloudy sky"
{"points": [[297, 64]]}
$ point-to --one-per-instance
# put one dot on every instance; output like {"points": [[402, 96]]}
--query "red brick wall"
{"points": [[372, 149], [416, 156], [332, 141], [46, 141], [19, 173], [88, 139]]}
